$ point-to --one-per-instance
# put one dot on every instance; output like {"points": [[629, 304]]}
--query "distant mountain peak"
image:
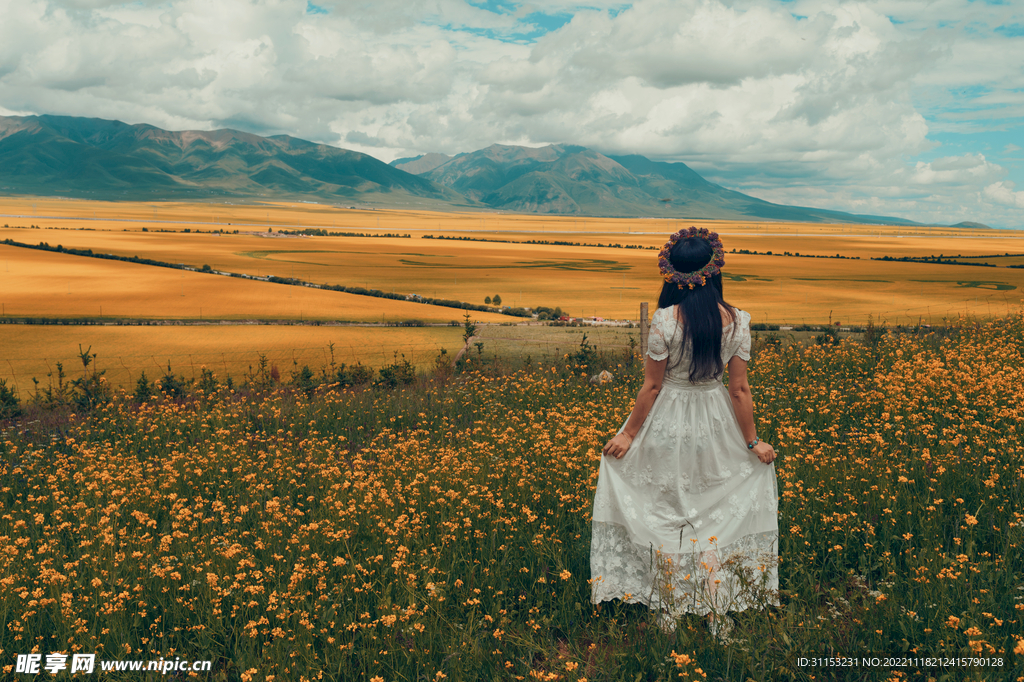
{"points": [[418, 165]]}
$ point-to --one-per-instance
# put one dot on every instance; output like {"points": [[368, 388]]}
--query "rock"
{"points": [[605, 377]]}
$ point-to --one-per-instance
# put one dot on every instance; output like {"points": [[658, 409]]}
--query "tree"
{"points": [[496, 299], [172, 386], [144, 389], [304, 379], [93, 389], [9, 406], [487, 301], [468, 329]]}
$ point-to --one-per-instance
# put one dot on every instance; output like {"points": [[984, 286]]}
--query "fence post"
{"points": [[644, 328]]}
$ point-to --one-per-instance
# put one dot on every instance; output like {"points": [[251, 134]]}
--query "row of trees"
{"points": [[361, 291]]}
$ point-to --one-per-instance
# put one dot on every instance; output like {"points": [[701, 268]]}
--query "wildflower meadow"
{"points": [[438, 527]]}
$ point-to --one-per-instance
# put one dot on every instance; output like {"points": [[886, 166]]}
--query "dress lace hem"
{"points": [[706, 579]]}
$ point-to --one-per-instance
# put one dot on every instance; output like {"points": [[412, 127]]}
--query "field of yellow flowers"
{"points": [[441, 531]]}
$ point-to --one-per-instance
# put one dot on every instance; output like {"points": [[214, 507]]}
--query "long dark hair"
{"points": [[702, 321]]}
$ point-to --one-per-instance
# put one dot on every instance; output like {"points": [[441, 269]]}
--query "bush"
{"points": [[172, 386], [92, 390], [760, 343], [468, 329], [584, 356], [9, 405], [872, 334], [144, 389], [545, 313], [356, 375], [399, 372], [442, 364], [829, 337], [208, 382], [304, 379], [262, 377]]}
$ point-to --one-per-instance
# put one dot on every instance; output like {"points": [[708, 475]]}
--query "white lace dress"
{"points": [[687, 520]]}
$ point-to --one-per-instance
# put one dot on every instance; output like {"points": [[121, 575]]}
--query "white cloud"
{"points": [[969, 169], [816, 101], [1002, 193]]}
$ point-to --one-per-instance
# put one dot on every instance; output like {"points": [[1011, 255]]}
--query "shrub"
{"points": [[584, 356], [398, 372], [442, 364], [261, 378], [92, 390], [356, 375], [172, 386], [9, 405], [53, 396], [144, 389], [304, 379], [208, 382]]}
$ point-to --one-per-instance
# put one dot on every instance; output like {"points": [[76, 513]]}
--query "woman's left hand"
{"points": [[617, 446]]}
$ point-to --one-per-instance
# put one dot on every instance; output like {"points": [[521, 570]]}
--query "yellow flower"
{"points": [[681, 659]]}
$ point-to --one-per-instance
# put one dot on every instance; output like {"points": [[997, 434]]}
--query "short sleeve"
{"points": [[743, 331], [657, 344]]}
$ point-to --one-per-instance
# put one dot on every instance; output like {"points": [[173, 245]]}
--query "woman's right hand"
{"points": [[765, 452], [617, 446]]}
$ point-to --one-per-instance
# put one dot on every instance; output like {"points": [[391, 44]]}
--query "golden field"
{"points": [[584, 281], [46, 284], [132, 215], [124, 353]]}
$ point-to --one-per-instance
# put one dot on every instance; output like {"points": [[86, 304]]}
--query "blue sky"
{"points": [[895, 107]]}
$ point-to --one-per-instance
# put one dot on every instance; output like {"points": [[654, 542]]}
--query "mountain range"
{"points": [[101, 159], [572, 180]]}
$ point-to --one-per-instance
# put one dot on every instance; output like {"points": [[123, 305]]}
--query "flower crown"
{"points": [[697, 277]]}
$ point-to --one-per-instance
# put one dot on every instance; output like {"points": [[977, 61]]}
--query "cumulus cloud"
{"points": [[1003, 193], [822, 102], [968, 169]]}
